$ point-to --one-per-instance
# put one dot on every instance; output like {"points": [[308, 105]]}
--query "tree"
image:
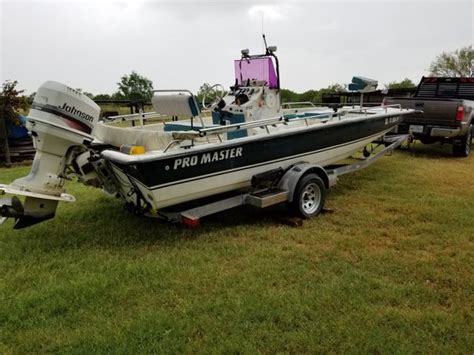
{"points": [[212, 95], [134, 87], [289, 96], [31, 97], [331, 89], [88, 94], [457, 63], [404, 84], [334, 88], [11, 102], [102, 97], [310, 95], [202, 90], [314, 96], [118, 96]]}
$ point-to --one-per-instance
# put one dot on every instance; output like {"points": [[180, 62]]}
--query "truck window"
{"points": [[447, 89], [460, 88], [427, 90], [466, 89]]}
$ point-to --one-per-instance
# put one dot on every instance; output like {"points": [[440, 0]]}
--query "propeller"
{"points": [[12, 207]]}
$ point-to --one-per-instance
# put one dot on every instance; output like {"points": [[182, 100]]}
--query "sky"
{"points": [[182, 44]]}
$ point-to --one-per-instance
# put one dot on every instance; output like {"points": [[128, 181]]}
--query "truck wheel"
{"points": [[309, 197], [463, 149]]}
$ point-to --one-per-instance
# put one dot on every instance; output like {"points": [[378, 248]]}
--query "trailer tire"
{"points": [[309, 197], [464, 148]]}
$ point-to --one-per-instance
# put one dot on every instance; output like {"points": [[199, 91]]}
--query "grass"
{"points": [[390, 271]]}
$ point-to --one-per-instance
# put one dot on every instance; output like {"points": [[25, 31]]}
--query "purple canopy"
{"points": [[256, 69]]}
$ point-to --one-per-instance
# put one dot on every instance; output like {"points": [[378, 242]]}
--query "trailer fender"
{"points": [[291, 177]]}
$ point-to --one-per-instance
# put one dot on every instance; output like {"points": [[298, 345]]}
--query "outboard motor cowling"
{"points": [[60, 119], [58, 104]]}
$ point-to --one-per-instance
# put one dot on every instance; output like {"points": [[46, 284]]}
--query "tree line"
{"points": [[136, 87], [316, 96]]}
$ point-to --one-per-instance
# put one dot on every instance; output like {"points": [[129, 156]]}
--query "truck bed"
{"points": [[435, 111]]}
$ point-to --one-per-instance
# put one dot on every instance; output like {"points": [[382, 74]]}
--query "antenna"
{"points": [[265, 42]]}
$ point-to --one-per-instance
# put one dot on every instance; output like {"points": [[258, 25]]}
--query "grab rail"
{"points": [[399, 106], [289, 104], [246, 125], [261, 123], [315, 115], [237, 126], [133, 116]]}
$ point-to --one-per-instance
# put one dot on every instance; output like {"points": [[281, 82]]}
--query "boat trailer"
{"points": [[278, 186]]}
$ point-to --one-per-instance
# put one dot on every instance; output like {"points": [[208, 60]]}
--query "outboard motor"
{"points": [[61, 121]]}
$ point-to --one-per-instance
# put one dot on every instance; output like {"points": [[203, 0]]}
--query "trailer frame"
{"points": [[281, 189]]}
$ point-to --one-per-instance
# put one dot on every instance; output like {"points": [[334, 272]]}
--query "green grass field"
{"points": [[390, 271]]}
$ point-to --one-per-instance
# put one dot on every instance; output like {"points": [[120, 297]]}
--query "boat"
{"points": [[152, 166]]}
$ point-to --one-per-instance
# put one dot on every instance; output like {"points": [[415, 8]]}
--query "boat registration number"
{"points": [[416, 129]]}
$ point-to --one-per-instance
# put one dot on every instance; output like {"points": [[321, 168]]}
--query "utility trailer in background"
{"points": [[303, 186]]}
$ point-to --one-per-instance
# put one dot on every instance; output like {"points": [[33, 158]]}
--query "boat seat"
{"points": [[176, 105], [116, 136], [362, 84]]}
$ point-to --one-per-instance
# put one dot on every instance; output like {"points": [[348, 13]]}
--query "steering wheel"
{"points": [[214, 94]]}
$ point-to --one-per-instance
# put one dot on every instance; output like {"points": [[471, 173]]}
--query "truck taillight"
{"points": [[460, 113]]}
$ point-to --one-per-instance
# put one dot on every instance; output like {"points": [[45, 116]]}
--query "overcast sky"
{"points": [[178, 44]]}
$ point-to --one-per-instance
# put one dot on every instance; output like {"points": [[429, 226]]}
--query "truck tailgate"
{"points": [[435, 111]]}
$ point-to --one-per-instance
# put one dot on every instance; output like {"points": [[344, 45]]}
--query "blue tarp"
{"points": [[18, 131]]}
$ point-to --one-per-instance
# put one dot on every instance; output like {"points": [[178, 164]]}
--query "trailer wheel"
{"points": [[309, 197], [463, 149]]}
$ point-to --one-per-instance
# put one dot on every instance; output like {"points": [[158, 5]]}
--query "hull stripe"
{"points": [[242, 155], [157, 187]]}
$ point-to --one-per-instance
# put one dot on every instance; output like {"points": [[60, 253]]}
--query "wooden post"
{"points": [[4, 135]]}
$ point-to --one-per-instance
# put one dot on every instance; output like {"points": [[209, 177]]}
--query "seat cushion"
{"points": [[175, 105], [116, 136]]}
